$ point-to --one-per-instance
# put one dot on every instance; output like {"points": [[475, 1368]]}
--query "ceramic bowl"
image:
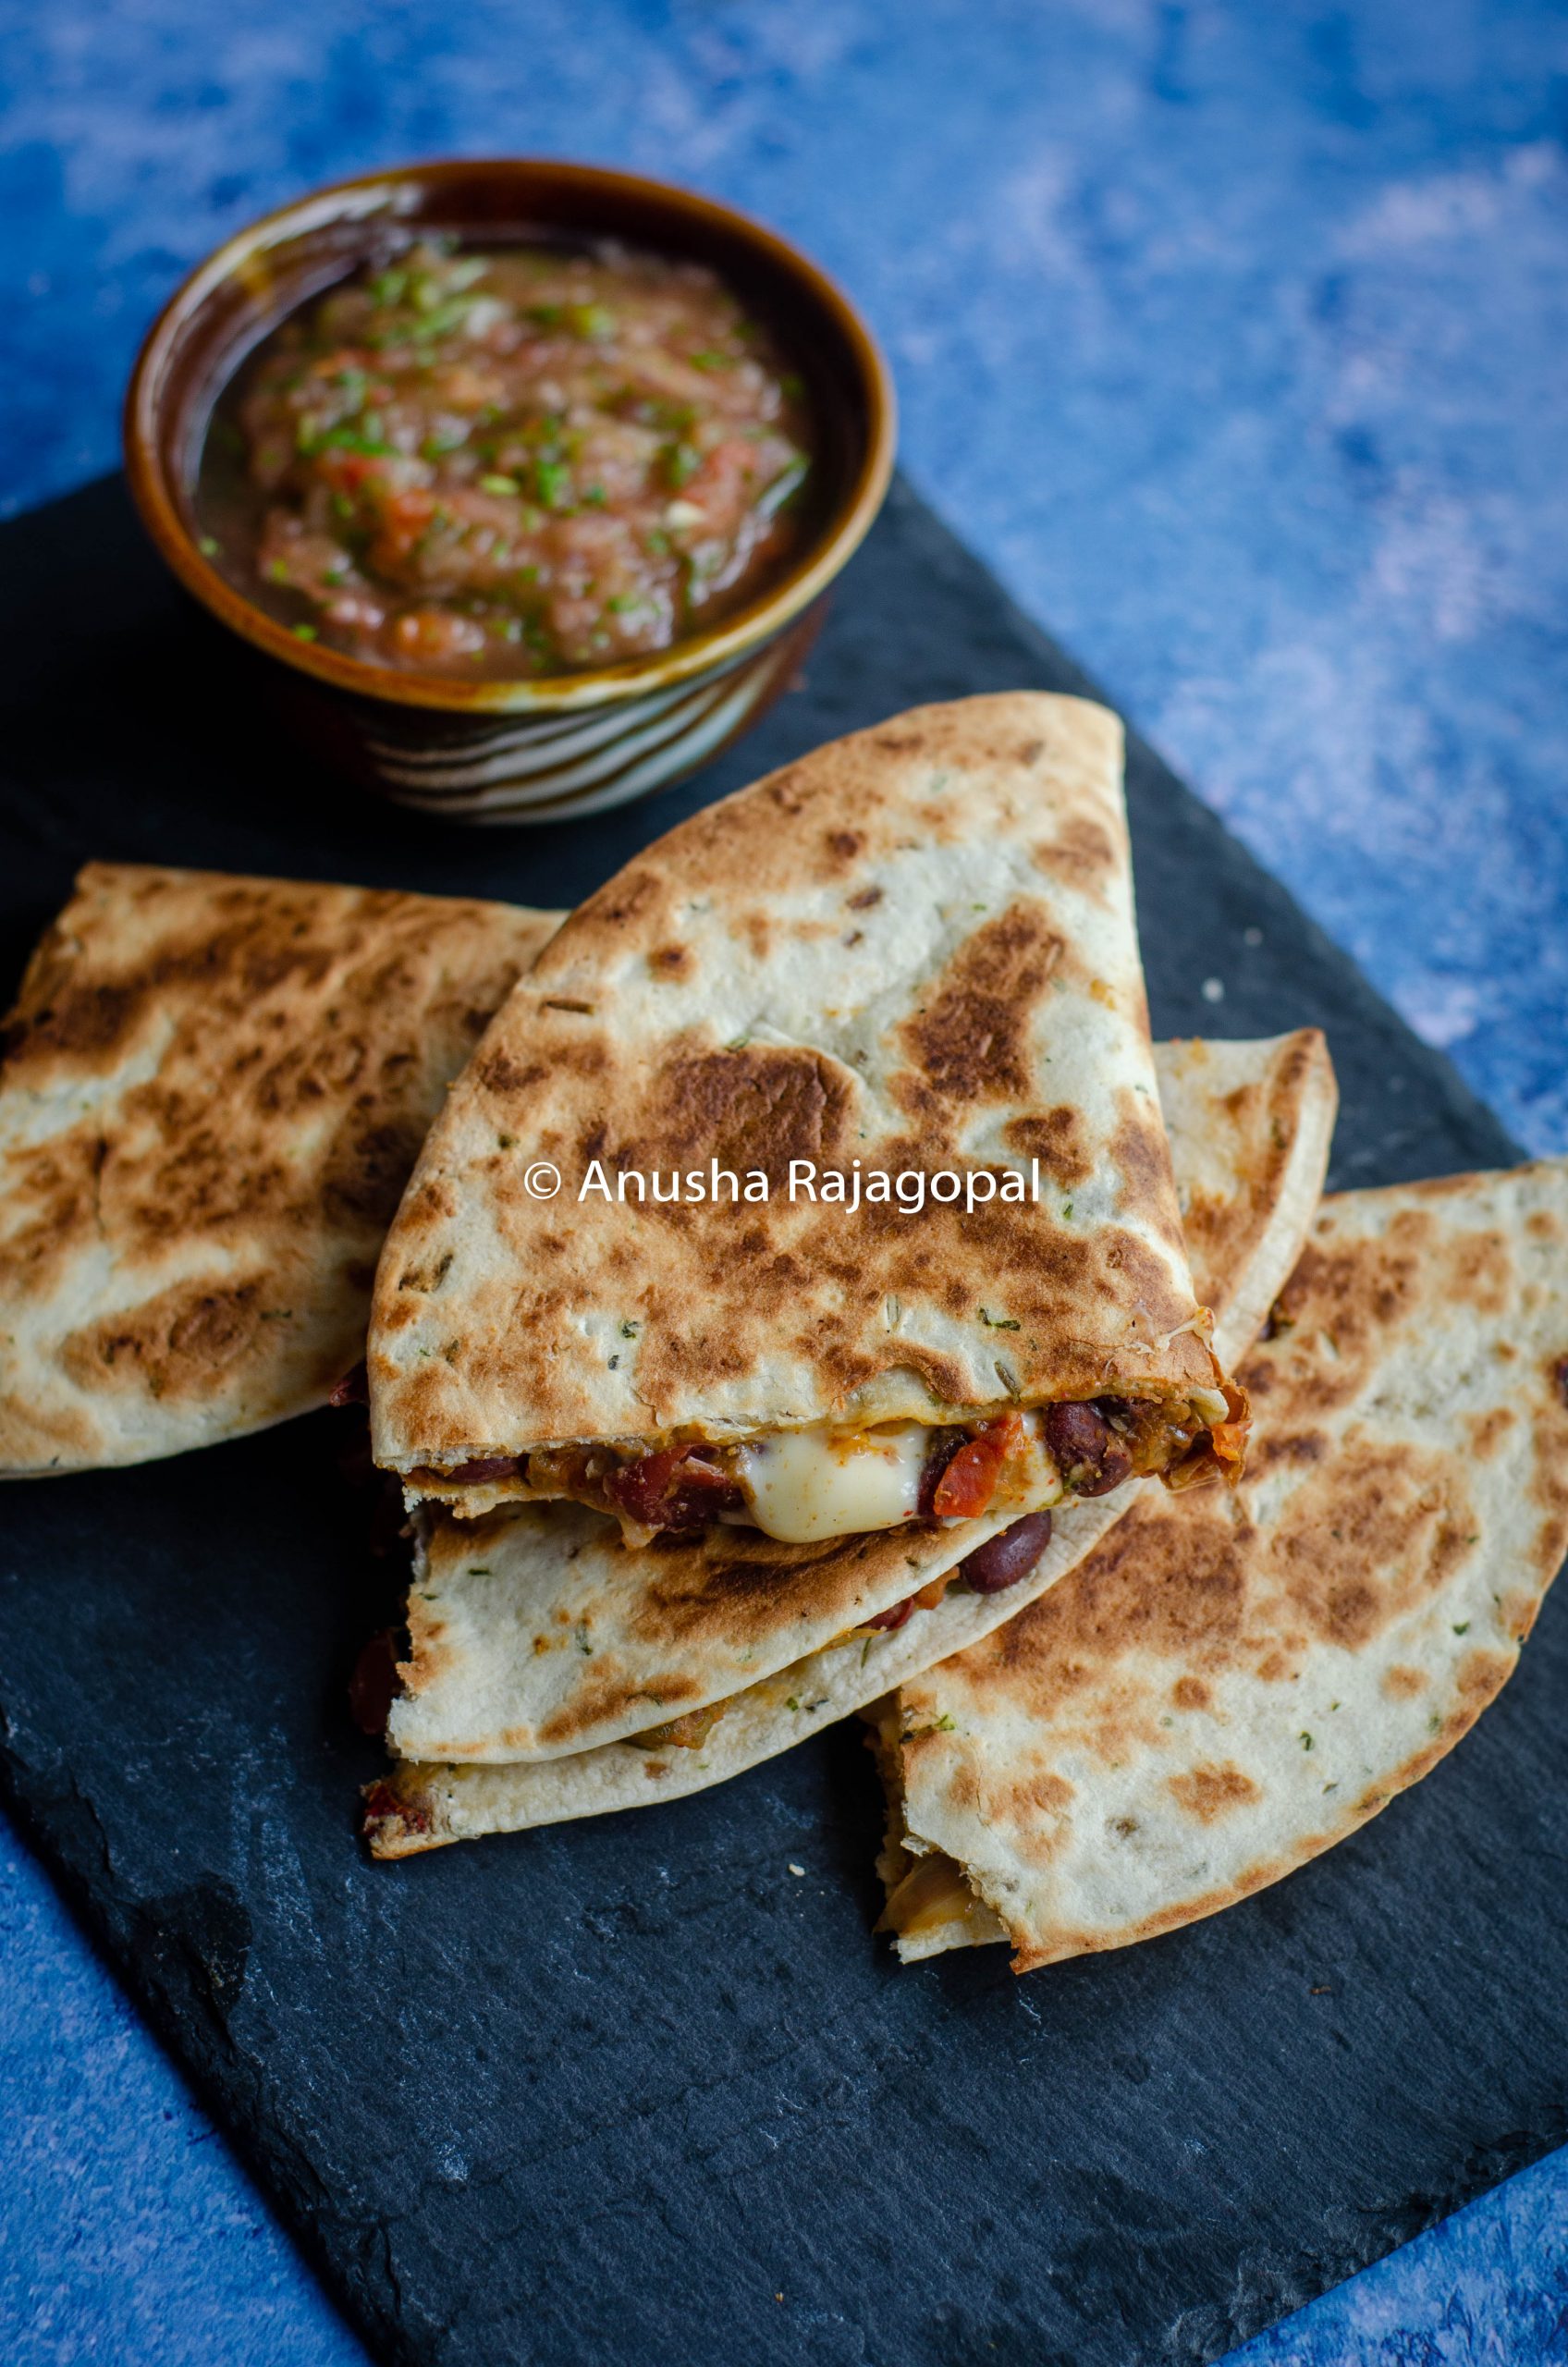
{"points": [[554, 745]]}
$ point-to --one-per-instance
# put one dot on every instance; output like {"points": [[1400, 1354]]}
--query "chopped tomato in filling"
{"points": [[968, 1482], [680, 1488]]}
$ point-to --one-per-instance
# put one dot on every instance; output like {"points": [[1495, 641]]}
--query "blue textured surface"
{"points": [[1232, 336]]}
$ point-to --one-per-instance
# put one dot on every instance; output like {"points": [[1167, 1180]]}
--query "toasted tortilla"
{"points": [[213, 1090], [538, 1639], [914, 949], [1230, 1684]]}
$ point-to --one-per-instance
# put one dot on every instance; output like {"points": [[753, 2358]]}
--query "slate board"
{"points": [[631, 2093]]}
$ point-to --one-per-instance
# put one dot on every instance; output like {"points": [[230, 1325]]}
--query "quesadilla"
{"points": [[212, 1094], [1230, 1684], [866, 1209], [559, 1672]]}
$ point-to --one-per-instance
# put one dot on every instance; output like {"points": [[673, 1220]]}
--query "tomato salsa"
{"points": [[508, 461]]}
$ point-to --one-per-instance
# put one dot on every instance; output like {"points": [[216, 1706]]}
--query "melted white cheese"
{"points": [[801, 1485], [805, 1484]]}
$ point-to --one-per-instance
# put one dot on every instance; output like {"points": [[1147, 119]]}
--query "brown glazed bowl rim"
{"points": [[159, 498]]}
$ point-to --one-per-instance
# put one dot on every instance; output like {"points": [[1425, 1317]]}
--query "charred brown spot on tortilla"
{"points": [[842, 848], [1478, 1680], [1163, 1582], [788, 791], [1190, 1693], [756, 1107], [748, 1586], [1341, 1303], [59, 1189], [426, 1387], [1140, 1151], [365, 1174], [1400, 1520], [1517, 1610], [1040, 1794], [1293, 1449], [204, 1185], [1081, 852], [1146, 1279], [635, 899], [171, 1345], [674, 962], [501, 1074], [1479, 1272], [1488, 1430], [60, 1433], [1057, 1139], [307, 1073], [96, 1020], [862, 900], [1402, 1683], [971, 1042], [1548, 1486], [608, 1700], [1210, 1793]]}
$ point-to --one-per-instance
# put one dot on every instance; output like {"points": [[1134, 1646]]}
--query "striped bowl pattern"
{"points": [[550, 769]]}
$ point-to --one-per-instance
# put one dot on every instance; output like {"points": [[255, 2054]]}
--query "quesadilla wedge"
{"points": [[212, 1094], [1230, 1684], [626, 1676], [909, 960]]}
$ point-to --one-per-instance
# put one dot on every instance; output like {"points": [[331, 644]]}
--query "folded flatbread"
{"points": [[911, 955], [212, 1095], [538, 1636], [1231, 1683]]}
